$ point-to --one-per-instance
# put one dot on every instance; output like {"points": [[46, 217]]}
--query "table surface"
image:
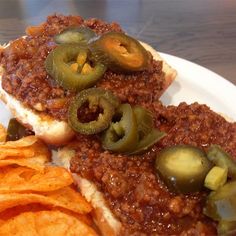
{"points": [[202, 31]]}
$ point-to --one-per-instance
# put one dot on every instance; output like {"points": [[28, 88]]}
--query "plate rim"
{"points": [[213, 84]]}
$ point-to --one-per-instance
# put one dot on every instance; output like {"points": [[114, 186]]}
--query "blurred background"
{"points": [[202, 31]]}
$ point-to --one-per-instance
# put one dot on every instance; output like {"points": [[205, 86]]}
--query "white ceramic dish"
{"points": [[194, 83]]}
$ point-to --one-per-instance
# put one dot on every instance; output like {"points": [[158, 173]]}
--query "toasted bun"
{"points": [[170, 73], [58, 132], [102, 215], [45, 127]]}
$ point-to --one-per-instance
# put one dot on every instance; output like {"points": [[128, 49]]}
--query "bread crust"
{"points": [[170, 73], [102, 215]]}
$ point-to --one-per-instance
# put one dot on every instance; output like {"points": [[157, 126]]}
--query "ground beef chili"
{"points": [[26, 79], [130, 185]]}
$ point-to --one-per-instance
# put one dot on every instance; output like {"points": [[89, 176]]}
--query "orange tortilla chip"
{"points": [[26, 147], [86, 218], [41, 149], [14, 211], [23, 142], [67, 198], [34, 156], [45, 223], [3, 133], [69, 195], [22, 179], [36, 162], [15, 153]]}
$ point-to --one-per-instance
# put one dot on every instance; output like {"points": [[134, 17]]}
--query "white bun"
{"points": [[170, 73], [58, 132], [102, 215], [51, 131]]}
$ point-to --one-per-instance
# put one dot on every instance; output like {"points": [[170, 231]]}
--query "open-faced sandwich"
{"points": [[38, 92], [146, 169], [161, 191]]}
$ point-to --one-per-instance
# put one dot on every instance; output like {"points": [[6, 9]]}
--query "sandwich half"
{"points": [[126, 192], [39, 103]]}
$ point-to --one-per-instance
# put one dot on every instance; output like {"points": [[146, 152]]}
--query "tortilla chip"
{"points": [[36, 162], [3, 133], [41, 148], [69, 195], [14, 211], [26, 147], [23, 142], [28, 151], [86, 218], [15, 153], [67, 198], [45, 223], [23, 179], [34, 207]]}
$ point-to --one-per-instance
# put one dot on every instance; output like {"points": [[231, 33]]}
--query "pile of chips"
{"points": [[37, 198]]}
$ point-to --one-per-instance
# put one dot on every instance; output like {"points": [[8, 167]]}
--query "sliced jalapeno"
{"points": [[147, 135], [148, 140], [183, 168], [120, 52], [79, 35], [222, 159], [221, 204], [58, 66], [122, 135], [144, 121], [15, 130], [95, 97]]}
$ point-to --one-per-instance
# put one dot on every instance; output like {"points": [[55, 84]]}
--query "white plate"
{"points": [[193, 84], [4, 114]]}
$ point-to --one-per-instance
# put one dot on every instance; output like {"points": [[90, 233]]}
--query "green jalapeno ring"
{"points": [[122, 136], [147, 141], [222, 159], [56, 65], [183, 168], [106, 94], [144, 120], [96, 97], [147, 134]]}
